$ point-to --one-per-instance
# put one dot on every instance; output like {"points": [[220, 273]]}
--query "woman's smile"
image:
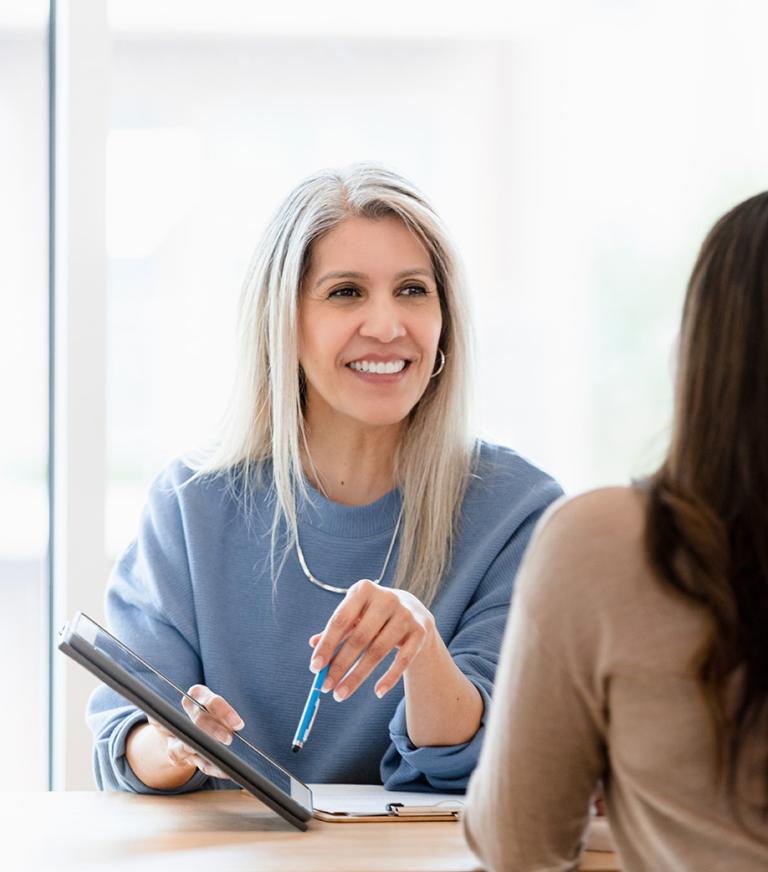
{"points": [[379, 370]]}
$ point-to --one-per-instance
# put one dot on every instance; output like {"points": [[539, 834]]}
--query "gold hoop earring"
{"points": [[442, 363]]}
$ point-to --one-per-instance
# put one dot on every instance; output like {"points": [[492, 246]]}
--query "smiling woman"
{"points": [[346, 453]]}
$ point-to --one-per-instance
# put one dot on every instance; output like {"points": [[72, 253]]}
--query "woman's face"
{"points": [[369, 322]]}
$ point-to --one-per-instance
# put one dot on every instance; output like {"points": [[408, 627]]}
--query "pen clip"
{"points": [[312, 720]]}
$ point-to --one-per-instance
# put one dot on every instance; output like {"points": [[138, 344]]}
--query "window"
{"points": [[24, 392], [578, 157]]}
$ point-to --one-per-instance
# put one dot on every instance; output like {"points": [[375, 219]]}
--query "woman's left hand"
{"points": [[373, 620]]}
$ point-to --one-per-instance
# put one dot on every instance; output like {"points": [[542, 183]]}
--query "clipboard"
{"points": [[397, 814], [366, 803]]}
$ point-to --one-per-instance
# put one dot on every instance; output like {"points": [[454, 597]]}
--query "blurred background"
{"points": [[577, 151]]}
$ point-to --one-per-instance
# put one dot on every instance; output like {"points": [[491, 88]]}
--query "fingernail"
{"points": [[327, 685], [380, 691], [341, 694], [316, 664], [235, 721], [227, 738]]}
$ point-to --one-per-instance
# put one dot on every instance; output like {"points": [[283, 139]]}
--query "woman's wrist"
{"points": [[431, 655], [442, 706]]}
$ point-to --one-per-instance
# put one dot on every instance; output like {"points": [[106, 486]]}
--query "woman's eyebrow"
{"points": [[345, 274], [340, 274], [418, 271]]}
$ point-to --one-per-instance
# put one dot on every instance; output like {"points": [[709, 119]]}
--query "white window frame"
{"points": [[80, 56]]}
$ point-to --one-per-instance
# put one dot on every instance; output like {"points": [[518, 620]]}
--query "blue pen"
{"points": [[310, 711]]}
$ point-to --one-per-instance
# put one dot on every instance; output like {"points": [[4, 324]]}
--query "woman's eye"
{"points": [[343, 292], [413, 291]]}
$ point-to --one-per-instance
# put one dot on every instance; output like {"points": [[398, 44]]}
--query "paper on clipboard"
{"points": [[349, 803]]}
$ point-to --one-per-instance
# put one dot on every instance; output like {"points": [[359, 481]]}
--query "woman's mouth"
{"points": [[373, 367]]}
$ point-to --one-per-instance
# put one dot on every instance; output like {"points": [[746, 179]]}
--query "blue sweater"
{"points": [[193, 594]]}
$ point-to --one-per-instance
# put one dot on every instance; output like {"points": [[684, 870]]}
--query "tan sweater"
{"points": [[595, 682]]}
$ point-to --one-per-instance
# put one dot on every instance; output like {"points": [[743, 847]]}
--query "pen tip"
{"points": [[295, 748]]}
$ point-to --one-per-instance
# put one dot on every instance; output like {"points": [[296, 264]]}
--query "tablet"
{"points": [[127, 673]]}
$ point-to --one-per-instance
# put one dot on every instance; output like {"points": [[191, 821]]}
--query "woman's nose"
{"points": [[382, 320]]}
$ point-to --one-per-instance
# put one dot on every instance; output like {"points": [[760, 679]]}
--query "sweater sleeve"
{"points": [[529, 797], [475, 649], [149, 606]]}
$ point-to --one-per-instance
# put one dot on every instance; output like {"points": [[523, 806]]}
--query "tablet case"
{"points": [[123, 682]]}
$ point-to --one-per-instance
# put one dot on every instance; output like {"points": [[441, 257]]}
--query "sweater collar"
{"points": [[352, 522]]}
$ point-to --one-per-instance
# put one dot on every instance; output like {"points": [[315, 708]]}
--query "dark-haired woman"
{"points": [[637, 649]]}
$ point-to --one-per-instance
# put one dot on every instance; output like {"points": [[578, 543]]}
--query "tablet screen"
{"points": [[107, 645]]}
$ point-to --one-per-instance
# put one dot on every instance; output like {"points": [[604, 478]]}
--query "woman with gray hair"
{"points": [[345, 455]]}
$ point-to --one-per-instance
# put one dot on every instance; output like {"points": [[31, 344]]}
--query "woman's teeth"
{"points": [[379, 368]]}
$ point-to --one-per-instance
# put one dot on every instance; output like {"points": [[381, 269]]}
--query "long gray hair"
{"points": [[265, 420]]}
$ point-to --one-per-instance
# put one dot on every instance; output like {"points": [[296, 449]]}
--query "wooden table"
{"points": [[212, 831]]}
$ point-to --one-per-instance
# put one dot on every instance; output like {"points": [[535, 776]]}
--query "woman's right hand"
{"points": [[219, 720]]}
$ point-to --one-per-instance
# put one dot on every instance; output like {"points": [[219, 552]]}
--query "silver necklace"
{"points": [[342, 590]]}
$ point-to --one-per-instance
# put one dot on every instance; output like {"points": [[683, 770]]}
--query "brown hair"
{"points": [[707, 516]]}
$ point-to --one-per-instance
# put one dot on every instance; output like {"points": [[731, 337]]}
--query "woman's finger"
{"points": [[402, 661], [186, 756], [206, 723], [216, 706], [181, 754], [208, 768], [218, 720], [394, 632], [341, 622], [178, 753], [360, 637]]}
